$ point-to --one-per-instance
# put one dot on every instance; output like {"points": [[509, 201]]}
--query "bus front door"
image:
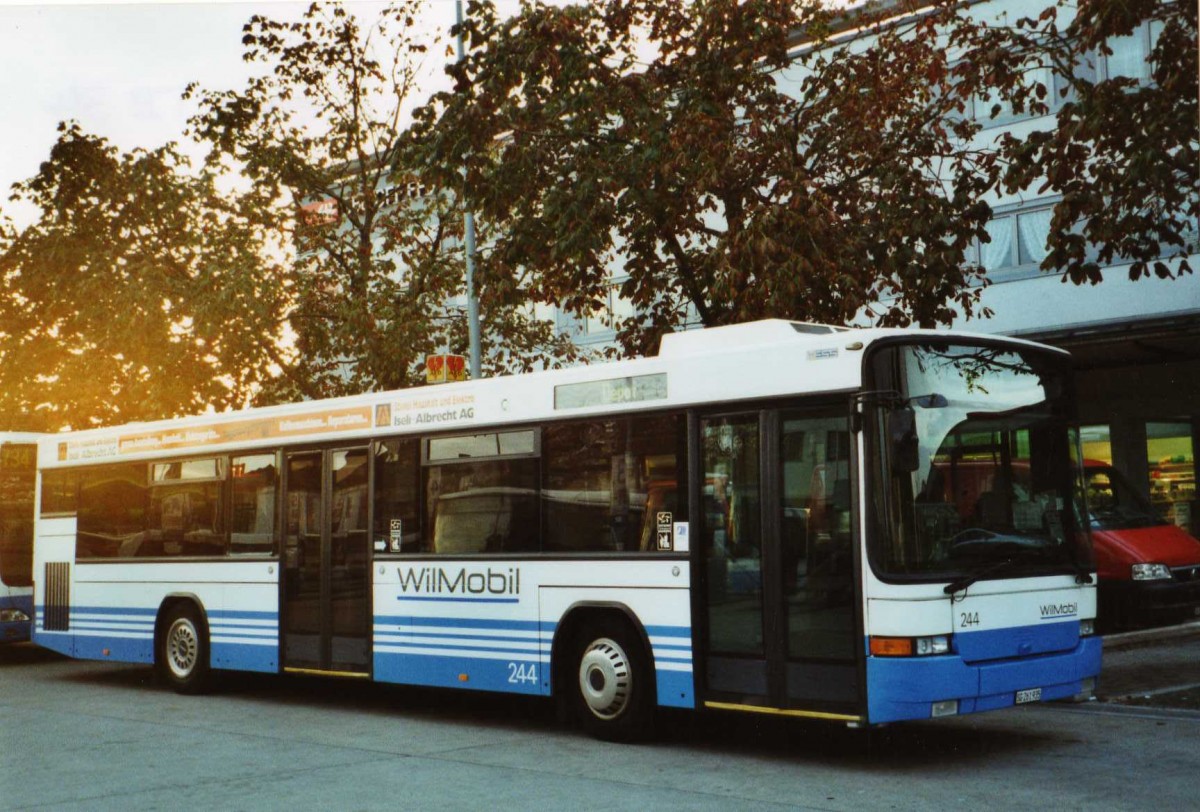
{"points": [[326, 578], [777, 562]]}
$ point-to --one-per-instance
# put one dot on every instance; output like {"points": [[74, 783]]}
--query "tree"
{"points": [[140, 293], [378, 254], [1123, 153], [729, 173]]}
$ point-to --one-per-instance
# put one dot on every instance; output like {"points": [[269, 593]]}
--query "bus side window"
{"points": [[186, 514], [481, 493], [583, 510], [252, 527], [60, 493], [397, 496], [608, 482], [112, 511]]}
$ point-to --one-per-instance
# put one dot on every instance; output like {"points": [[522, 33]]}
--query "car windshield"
{"points": [[1112, 502], [975, 463]]}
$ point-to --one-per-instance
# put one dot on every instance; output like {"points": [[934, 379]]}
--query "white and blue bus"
{"points": [[18, 469], [856, 525]]}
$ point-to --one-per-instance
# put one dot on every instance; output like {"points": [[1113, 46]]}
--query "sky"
{"points": [[120, 70]]}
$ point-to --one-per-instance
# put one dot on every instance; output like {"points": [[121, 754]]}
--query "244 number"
{"points": [[967, 619], [521, 673]]}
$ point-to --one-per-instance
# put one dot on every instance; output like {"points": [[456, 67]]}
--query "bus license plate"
{"points": [[1030, 695]]}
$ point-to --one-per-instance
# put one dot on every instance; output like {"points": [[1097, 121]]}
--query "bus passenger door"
{"points": [[326, 595], [777, 561]]}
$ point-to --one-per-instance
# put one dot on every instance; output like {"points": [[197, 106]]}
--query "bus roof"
{"points": [[770, 358]]}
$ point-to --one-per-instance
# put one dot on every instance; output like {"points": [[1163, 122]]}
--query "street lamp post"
{"points": [[469, 225]]}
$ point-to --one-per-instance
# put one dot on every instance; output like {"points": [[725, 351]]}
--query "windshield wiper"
{"points": [[964, 581]]}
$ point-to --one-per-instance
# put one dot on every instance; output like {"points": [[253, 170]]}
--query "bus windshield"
{"points": [[978, 464]]}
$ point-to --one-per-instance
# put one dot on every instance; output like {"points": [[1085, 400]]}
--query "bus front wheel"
{"points": [[182, 656], [613, 684]]}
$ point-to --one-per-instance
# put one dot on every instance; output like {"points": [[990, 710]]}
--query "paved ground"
{"points": [[84, 736], [1154, 667]]}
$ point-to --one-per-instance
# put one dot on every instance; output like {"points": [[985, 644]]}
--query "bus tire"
{"points": [[612, 687], [182, 656]]}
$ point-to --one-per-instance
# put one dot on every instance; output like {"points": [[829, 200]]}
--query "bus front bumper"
{"points": [[904, 688]]}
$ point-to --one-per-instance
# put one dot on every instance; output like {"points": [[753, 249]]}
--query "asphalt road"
{"points": [[97, 736], [1154, 667]]}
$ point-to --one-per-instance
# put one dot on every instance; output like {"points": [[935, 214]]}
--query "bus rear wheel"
{"points": [[613, 685], [182, 657]]}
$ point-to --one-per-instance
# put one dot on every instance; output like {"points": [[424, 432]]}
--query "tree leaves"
{"points": [[724, 175], [374, 288], [140, 293]]}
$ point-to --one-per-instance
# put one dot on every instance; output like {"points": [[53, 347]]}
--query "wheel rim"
{"points": [[605, 678], [183, 648]]}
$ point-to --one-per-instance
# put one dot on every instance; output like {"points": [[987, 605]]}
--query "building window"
{"points": [[997, 253], [993, 111], [571, 325], [601, 322], [1019, 241], [1033, 230], [1172, 460], [1130, 57]]}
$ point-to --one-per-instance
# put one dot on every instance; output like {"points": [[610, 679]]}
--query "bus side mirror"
{"points": [[902, 432]]}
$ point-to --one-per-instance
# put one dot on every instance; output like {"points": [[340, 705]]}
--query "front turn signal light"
{"points": [[910, 646], [892, 646]]}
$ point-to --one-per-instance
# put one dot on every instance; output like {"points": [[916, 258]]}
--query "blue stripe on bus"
{"points": [[111, 610], [22, 602], [900, 688], [465, 622], [239, 614], [452, 645], [684, 632], [411, 636], [457, 600]]}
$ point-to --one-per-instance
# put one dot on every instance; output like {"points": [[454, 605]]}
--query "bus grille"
{"points": [[57, 614]]}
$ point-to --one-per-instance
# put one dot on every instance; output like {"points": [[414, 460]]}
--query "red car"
{"points": [[1149, 569]]}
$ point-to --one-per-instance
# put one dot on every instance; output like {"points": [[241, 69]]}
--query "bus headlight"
{"points": [[939, 644], [1087, 628], [1151, 572], [13, 616]]}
